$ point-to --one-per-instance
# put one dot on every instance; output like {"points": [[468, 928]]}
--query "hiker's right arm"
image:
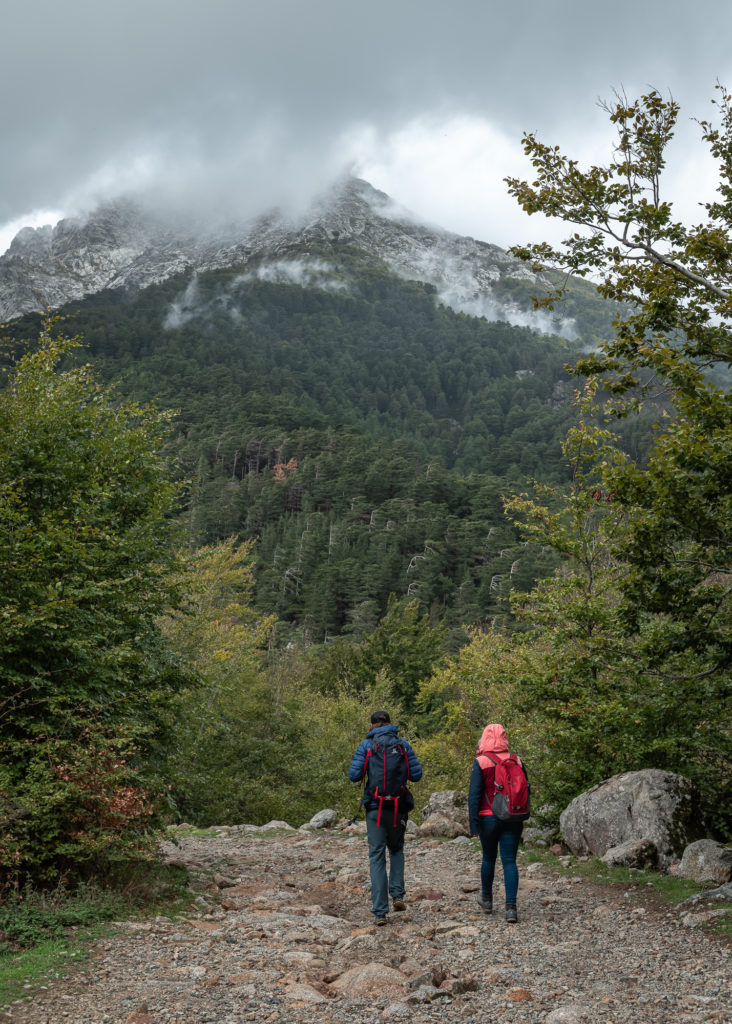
{"points": [[355, 772]]}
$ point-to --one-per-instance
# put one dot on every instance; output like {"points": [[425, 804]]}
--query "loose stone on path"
{"points": [[283, 932]]}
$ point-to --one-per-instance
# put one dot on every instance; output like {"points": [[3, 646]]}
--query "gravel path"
{"points": [[282, 932]]}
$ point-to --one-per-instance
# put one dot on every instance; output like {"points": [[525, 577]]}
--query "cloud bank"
{"points": [[219, 107]]}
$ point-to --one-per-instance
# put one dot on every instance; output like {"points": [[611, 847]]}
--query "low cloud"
{"points": [[191, 304], [305, 273]]}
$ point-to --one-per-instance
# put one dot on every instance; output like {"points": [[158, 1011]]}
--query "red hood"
{"points": [[494, 741]]}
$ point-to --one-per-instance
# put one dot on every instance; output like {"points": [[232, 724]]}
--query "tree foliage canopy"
{"points": [[86, 569], [675, 334]]}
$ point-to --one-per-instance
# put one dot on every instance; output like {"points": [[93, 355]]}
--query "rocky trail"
{"points": [[282, 931]]}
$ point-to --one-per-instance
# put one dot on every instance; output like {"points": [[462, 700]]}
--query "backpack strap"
{"points": [[511, 757]]}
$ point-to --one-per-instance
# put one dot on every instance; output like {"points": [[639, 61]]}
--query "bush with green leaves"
{"points": [[86, 569]]}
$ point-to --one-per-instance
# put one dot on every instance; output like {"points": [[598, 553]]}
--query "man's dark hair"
{"points": [[380, 716]]}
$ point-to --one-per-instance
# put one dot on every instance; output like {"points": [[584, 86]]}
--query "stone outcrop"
{"points": [[323, 819], [649, 805]]}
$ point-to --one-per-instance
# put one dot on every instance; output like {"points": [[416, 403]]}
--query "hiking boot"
{"points": [[399, 905], [380, 921], [511, 914], [486, 903]]}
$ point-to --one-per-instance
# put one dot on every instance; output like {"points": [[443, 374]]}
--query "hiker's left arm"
{"points": [[415, 768]]}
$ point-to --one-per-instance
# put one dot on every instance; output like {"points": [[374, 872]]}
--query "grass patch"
{"points": [[667, 889], [42, 932], [173, 831], [24, 973]]}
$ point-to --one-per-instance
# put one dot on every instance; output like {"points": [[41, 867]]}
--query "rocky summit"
{"points": [[122, 245], [281, 931]]}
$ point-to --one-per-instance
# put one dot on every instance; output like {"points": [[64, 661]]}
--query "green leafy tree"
{"points": [[404, 648], [85, 572], [559, 686], [675, 328], [673, 334], [229, 729]]}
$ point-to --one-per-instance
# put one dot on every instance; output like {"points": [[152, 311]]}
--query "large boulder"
{"points": [[650, 804], [446, 814], [706, 861]]}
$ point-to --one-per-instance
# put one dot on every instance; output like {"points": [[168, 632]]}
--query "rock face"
{"points": [[651, 805], [121, 245]]}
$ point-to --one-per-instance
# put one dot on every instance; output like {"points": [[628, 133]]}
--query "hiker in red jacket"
{"points": [[494, 833]]}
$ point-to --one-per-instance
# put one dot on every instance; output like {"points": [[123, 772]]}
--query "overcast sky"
{"points": [[238, 105]]}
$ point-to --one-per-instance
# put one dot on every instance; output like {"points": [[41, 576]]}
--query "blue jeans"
{"points": [[505, 836], [381, 885]]}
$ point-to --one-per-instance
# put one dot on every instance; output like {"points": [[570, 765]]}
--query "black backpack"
{"points": [[387, 773]]}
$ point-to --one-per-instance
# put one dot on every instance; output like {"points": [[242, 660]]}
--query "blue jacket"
{"points": [[355, 772], [475, 796]]}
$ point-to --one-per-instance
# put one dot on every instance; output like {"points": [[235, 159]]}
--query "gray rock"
{"points": [[370, 979], [703, 917], [302, 993], [426, 993], [323, 819], [438, 826], [539, 836], [452, 805], [706, 861], [633, 853], [723, 892], [570, 1014], [395, 1010], [224, 881], [645, 805]]}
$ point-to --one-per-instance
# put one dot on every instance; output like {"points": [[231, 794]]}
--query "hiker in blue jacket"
{"points": [[388, 762]]}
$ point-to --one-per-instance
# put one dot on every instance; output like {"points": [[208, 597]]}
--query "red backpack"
{"points": [[510, 800]]}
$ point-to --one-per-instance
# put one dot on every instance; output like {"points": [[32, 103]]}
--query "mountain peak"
{"points": [[120, 244]]}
